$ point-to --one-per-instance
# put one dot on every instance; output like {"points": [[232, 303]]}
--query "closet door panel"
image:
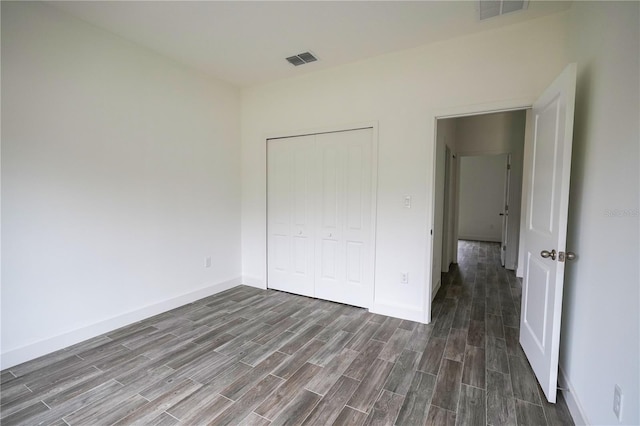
{"points": [[354, 262], [290, 215], [320, 216], [345, 170], [330, 175]]}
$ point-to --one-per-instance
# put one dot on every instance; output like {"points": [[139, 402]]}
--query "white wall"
{"points": [[601, 322], [499, 133], [486, 134], [404, 92], [120, 174], [482, 180]]}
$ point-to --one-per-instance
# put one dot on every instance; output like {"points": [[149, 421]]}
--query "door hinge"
{"points": [[508, 166]]}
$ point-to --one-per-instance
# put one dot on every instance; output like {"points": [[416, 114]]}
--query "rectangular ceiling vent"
{"points": [[492, 8], [301, 59]]}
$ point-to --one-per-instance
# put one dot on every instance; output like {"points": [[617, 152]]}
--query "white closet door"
{"points": [[344, 253], [290, 214]]}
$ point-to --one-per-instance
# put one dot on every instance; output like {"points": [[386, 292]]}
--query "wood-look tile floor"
{"points": [[254, 357]]}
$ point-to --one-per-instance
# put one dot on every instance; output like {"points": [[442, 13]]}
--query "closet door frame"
{"points": [[373, 125]]}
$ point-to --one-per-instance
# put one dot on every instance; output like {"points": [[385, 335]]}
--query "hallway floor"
{"points": [[259, 357], [476, 319]]}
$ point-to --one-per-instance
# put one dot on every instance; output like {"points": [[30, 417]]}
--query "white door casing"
{"points": [[545, 227], [320, 215]]}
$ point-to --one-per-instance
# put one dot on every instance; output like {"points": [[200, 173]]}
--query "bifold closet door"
{"points": [[290, 211], [344, 266], [319, 216]]}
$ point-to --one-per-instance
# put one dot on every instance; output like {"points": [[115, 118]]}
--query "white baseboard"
{"points": [[254, 282], [398, 311], [52, 344], [481, 238], [575, 408]]}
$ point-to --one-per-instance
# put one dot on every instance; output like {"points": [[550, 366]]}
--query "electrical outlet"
{"points": [[404, 278], [207, 262], [618, 398]]}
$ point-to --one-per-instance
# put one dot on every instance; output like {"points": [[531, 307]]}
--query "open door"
{"points": [[505, 212], [545, 231]]}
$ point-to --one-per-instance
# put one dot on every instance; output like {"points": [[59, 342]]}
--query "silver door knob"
{"points": [[299, 232], [562, 256], [547, 254]]}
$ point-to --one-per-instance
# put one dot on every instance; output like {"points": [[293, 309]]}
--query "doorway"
{"points": [[484, 200], [466, 148], [544, 218]]}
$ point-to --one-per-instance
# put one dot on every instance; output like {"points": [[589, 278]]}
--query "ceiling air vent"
{"points": [[491, 8], [301, 59]]}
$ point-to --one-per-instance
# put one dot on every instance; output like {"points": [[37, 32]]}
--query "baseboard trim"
{"points": [[26, 353], [254, 282], [480, 238], [575, 408], [398, 311]]}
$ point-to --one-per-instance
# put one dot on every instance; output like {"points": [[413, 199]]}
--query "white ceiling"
{"points": [[246, 42]]}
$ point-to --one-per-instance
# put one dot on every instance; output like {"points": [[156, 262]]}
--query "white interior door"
{"points": [[290, 215], [344, 270], [505, 212], [545, 228]]}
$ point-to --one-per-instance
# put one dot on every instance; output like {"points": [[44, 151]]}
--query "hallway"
{"points": [[475, 331]]}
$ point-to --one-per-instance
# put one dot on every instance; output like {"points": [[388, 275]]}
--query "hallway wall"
{"points": [[445, 137]]}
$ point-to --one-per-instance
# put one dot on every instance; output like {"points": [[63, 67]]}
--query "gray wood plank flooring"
{"points": [[253, 357]]}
